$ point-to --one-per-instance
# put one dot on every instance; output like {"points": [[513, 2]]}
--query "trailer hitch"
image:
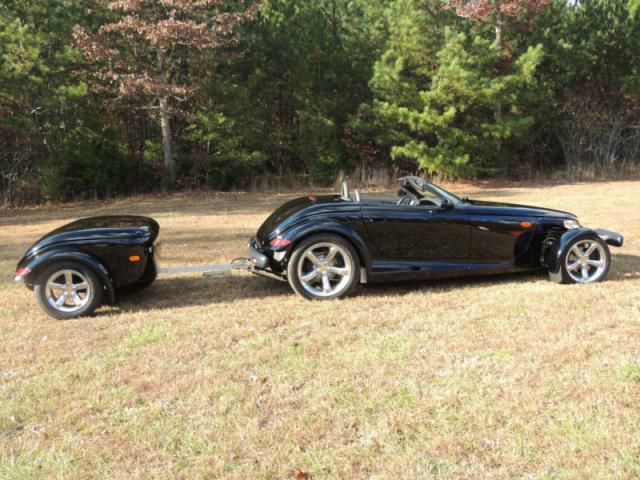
{"points": [[219, 270]]}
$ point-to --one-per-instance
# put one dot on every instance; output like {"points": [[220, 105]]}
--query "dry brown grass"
{"points": [[508, 377]]}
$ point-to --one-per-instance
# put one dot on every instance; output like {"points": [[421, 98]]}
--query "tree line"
{"points": [[101, 98]]}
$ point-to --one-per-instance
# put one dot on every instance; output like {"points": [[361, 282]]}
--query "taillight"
{"points": [[280, 242], [21, 272]]}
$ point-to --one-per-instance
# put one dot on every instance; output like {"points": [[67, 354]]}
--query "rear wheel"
{"points": [[586, 260], [324, 267], [68, 290]]}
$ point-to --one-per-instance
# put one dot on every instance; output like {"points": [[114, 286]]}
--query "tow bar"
{"points": [[219, 270]]}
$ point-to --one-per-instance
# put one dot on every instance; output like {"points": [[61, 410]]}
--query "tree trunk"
{"points": [[499, 24], [165, 123], [499, 29]]}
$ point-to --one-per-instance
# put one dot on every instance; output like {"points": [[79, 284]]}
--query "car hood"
{"points": [[90, 230], [497, 208]]}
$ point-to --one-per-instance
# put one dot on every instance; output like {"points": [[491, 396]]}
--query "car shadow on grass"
{"points": [[624, 267], [180, 292], [450, 284]]}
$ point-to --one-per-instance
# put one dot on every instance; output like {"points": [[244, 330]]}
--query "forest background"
{"points": [[100, 99]]}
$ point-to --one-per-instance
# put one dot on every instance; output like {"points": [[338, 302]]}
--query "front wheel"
{"points": [[324, 267], [586, 260], [68, 290]]}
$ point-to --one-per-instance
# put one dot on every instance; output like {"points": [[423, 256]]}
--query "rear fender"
{"points": [[298, 234], [560, 246], [39, 262]]}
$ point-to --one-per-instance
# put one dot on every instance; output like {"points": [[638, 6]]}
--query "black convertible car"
{"points": [[324, 246]]}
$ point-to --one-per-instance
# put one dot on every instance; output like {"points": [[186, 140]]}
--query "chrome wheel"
{"points": [[68, 291], [586, 262], [325, 269]]}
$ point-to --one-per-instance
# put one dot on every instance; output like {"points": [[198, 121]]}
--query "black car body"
{"points": [[118, 250], [325, 245], [425, 233]]}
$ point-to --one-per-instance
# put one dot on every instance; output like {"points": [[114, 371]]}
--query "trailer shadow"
{"points": [[178, 292]]}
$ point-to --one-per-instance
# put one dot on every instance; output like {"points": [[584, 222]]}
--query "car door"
{"points": [[500, 239], [420, 232]]}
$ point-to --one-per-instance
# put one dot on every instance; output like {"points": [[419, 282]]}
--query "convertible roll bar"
{"points": [[344, 194]]}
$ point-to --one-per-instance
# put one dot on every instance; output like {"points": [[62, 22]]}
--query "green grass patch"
{"points": [[146, 336], [38, 464], [631, 372]]}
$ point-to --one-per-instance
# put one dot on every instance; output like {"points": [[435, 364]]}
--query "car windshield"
{"points": [[426, 189]]}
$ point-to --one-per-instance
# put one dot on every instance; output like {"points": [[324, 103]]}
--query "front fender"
{"points": [[38, 262], [300, 232], [560, 246]]}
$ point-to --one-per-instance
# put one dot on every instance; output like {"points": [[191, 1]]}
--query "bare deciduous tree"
{"points": [[600, 135], [137, 51]]}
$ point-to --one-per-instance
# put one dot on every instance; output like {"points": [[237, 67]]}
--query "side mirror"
{"points": [[446, 204]]}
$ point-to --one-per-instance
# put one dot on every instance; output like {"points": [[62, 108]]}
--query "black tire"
{"points": [[345, 259], [93, 294], [589, 269]]}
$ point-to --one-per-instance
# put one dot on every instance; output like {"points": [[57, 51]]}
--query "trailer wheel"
{"points": [[68, 290]]}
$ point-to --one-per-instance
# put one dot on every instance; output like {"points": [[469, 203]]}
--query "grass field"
{"points": [[504, 377]]}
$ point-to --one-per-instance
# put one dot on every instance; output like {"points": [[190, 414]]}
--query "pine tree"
{"points": [[452, 128]]}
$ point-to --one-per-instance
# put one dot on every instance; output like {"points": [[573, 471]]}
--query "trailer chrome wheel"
{"points": [[587, 261], [68, 290], [324, 267]]}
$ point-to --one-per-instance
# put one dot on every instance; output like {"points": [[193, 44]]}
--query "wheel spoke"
{"points": [[68, 279], [81, 286], [77, 301], [573, 266], [340, 271], [326, 284], [585, 273], [312, 258], [591, 249], [596, 263], [59, 286], [576, 251], [331, 255], [312, 275], [61, 299]]}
